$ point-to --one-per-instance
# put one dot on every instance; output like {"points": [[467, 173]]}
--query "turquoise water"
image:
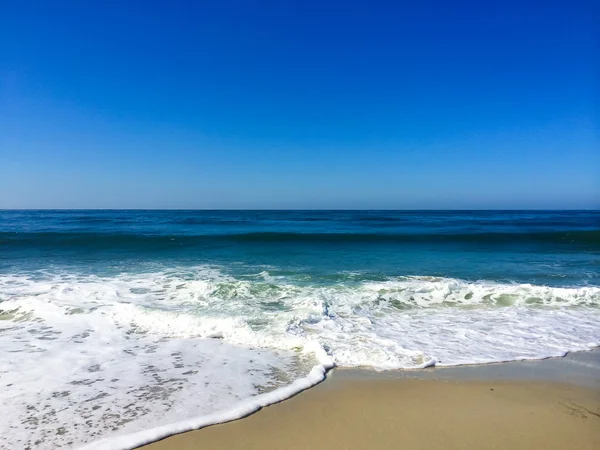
{"points": [[554, 248], [117, 326]]}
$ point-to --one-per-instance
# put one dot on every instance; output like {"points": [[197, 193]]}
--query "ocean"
{"points": [[119, 327]]}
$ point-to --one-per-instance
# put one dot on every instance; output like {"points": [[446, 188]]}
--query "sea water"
{"points": [[120, 327]]}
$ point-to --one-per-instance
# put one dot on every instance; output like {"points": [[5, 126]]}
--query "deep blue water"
{"points": [[557, 248]]}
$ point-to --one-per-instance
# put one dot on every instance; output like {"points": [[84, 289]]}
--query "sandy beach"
{"points": [[552, 404]]}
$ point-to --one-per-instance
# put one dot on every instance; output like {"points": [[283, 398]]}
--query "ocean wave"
{"points": [[218, 346], [587, 238]]}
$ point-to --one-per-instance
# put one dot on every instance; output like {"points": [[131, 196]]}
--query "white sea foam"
{"points": [[118, 361]]}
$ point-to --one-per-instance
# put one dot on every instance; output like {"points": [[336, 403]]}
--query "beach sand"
{"points": [[552, 404]]}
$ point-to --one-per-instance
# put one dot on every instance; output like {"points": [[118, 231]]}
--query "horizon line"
{"points": [[306, 209]]}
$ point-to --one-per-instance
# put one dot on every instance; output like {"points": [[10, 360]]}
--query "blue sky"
{"points": [[302, 104]]}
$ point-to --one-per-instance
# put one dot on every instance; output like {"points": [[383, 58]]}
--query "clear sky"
{"points": [[279, 104]]}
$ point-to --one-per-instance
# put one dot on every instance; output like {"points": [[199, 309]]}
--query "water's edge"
{"points": [[243, 409], [580, 368]]}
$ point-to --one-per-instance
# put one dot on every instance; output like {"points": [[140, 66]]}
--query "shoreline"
{"points": [[545, 403], [580, 368]]}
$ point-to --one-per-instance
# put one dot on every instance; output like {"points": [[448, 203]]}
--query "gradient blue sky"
{"points": [[231, 104]]}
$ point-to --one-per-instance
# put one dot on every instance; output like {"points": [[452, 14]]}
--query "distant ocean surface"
{"points": [[117, 327]]}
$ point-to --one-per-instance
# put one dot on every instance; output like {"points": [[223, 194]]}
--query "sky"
{"points": [[300, 105]]}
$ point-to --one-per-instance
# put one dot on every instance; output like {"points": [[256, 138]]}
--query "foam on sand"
{"points": [[242, 409]]}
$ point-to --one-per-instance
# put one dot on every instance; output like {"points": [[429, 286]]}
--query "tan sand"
{"points": [[408, 414]]}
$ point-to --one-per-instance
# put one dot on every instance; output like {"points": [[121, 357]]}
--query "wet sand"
{"points": [[552, 404]]}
